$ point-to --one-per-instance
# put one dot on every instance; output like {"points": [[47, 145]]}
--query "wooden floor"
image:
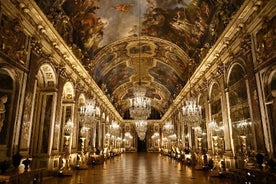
{"points": [[141, 168]]}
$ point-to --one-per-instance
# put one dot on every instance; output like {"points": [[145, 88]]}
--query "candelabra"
{"points": [[83, 160], [215, 143], [65, 169], [199, 139], [213, 126]]}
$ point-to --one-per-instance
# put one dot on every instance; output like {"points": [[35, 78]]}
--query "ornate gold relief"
{"points": [[36, 45], [141, 49], [266, 45], [13, 42]]}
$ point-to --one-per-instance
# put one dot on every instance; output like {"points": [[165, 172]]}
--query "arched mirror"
{"points": [[239, 111], [67, 124], [216, 125]]}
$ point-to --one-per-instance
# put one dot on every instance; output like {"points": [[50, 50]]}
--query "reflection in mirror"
{"points": [[239, 112]]}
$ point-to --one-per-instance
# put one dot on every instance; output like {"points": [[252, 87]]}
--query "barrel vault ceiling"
{"points": [[173, 36]]}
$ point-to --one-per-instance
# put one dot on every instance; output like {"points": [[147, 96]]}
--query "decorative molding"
{"points": [[36, 45]]}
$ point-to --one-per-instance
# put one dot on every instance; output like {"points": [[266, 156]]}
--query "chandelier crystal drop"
{"points": [[141, 129], [192, 112], [140, 105]]}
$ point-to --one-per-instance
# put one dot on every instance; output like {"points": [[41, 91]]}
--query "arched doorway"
{"points": [[141, 145]]}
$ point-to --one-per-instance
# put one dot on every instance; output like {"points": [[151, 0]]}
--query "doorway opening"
{"points": [[142, 145]]}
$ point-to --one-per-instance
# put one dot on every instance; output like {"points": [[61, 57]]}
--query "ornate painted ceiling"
{"points": [[157, 42]]}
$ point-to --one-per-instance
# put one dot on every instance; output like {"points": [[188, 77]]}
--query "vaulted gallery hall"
{"points": [[137, 91]]}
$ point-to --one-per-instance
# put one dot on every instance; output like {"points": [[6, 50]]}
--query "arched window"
{"points": [[67, 113]]}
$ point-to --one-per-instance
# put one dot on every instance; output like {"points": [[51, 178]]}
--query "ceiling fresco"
{"points": [[121, 42], [159, 65]]}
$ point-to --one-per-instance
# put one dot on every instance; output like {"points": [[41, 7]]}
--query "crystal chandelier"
{"points": [[141, 129], [140, 106], [191, 110], [89, 113]]}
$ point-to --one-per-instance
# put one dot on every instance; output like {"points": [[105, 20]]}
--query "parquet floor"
{"points": [[139, 168]]}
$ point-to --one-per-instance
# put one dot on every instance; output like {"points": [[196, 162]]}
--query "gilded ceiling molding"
{"points": [[36, 46]]}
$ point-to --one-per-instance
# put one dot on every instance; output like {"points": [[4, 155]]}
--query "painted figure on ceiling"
{"points": [[87, 26]]}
